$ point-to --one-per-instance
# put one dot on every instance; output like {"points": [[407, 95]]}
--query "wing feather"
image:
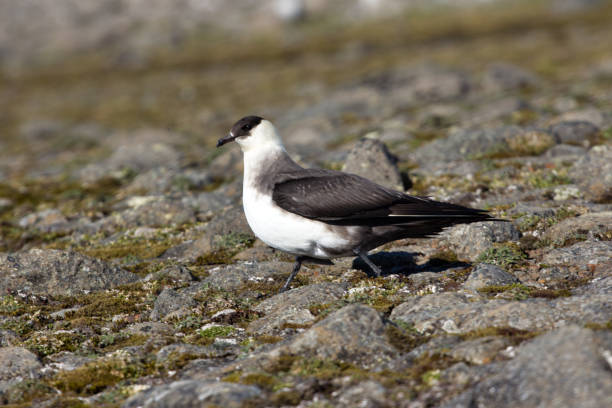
{"points": [[348, 199]]}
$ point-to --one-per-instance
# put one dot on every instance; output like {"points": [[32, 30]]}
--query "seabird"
{"points": [[317, 214]]}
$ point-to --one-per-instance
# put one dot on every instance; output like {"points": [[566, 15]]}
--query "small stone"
{"points": [[502, 77], [150, 329], [593, 174], [176, 272], [468, 241], [172, 303], [488, 275], [479, 351], [371, 159], [366, 394], [580, 133]]}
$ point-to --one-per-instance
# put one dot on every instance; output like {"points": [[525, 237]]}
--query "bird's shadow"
{"points": [[403, 263]]}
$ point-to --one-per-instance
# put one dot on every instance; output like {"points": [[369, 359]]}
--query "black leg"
{"points": [[364, 257], [296, 269]]}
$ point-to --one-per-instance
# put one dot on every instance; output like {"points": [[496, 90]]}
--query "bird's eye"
{"points": [[246, 127]]}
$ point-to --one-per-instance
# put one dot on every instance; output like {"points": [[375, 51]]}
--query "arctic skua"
{"points": [[317, 214]]}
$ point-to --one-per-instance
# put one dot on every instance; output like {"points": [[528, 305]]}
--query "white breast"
{"points": [[287, 231]]}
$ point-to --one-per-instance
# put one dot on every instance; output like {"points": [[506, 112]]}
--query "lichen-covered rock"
{"points": [[582, 254], [136, 157], [232, 277], [370, 158], [454, 313], [468, 241], [55, 272], [355, 333], [291, 307], [172, 302], [586, 226], [575, 132], [488, 275], [593, 174], [17, 364], [470, 144], [549, 371], [193, 393]]}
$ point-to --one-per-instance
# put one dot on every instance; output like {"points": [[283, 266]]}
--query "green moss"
{"points": [[97, 376], [548, 178], [516, 336], [268, 339], [599, 326], [11, 306], [404, 337], [504, 255], [46, 343], [133, 248], [521, 291], [216, 331], [115, 341]]}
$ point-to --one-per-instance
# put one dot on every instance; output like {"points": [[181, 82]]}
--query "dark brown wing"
{"points": [[341, 198]]}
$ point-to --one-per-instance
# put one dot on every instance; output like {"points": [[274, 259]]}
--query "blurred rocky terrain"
{"points": [[128, 274]]}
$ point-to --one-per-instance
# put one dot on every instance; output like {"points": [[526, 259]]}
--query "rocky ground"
{"points": [[129, 277]]}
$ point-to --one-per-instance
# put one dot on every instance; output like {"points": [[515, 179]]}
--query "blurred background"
{"points": [[130, 95]]}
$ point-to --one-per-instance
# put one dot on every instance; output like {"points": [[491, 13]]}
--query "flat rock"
{"points": [[454, 313], [232, 277], [371, 159], [193, 393], [488, 275], [303, 297], [590, 225], [582, 253], [55, 272], [550, 371], [593, 174], [468, 241]]}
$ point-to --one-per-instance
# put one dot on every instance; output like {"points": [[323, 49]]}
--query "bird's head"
{"points": [[253, 132]]}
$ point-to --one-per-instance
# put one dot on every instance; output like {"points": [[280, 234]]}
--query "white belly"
{"points": [[287, 231]]}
